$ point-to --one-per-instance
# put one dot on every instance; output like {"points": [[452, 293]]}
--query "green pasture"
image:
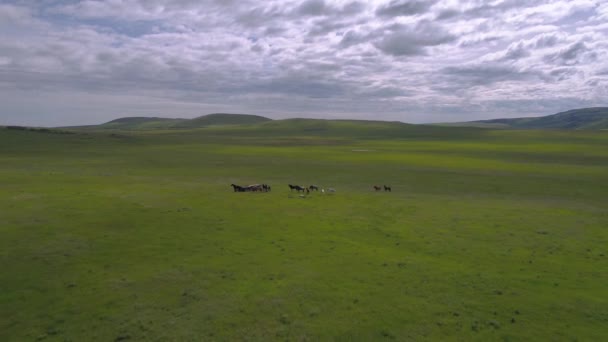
{"points": [[487, 234]]}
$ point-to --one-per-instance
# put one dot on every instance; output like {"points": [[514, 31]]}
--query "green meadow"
{"points": [[489, 235]]}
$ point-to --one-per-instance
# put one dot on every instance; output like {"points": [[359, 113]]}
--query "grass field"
{"points": [[487, 234]]}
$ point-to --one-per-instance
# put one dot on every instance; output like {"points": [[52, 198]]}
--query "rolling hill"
{"points": [[584, 118], [251, 125], [151, 123], [222, 119], [576, 119]]}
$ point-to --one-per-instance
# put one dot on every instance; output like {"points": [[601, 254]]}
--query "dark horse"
{"points": [[313, 187], [377, 188], [237, 188], [387, 188], [296, 187], [266, 187]]}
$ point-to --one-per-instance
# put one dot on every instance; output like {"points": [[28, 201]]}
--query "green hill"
{"points": [[251, 125], [142, 123], [221, 119], [152, 123], [585, 118], [352, 129]]}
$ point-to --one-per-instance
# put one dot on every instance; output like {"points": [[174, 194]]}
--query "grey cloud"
{"points": [[487, 10], [325, 26], [293, 85], [274, 30], [12, 14], [545, 41], [384, 92], [352, 38], [258, 17], [516, 51], [573, 51], [352, 8], [487, 40], [447, 14], [313, 8], [561, 74], [578, 15], [411, 41], [397, 8], [574, 54], [476, 75]]}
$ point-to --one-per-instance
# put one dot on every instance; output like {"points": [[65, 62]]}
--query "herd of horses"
{"points": [[304, 189], [298, 188], [386, 188], [251, 188]]}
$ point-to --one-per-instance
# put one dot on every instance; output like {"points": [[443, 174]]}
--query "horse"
{"points": [[387, 188], [266, 187], [377, 188], [313, 187], [297, 187], [237, 188], [254, 187]]}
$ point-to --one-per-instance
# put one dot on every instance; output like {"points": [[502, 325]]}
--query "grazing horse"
{"points": [[266, 187], [313, 187], [387, 188], [377, 188]]}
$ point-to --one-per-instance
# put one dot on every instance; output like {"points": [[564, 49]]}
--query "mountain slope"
{"points": [[584, 118]]}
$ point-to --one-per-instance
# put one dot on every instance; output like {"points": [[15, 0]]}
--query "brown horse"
{"points": [[377, 188]]}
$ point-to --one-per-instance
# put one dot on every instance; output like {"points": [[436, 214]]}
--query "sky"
{"points": [[417, 61]]}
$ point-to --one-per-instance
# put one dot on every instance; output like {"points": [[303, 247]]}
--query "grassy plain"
{"points": [[487, 235]]}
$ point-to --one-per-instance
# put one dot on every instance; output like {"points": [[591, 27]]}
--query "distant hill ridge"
{"points": [[138, 119], [584, 118], [149, 123]]}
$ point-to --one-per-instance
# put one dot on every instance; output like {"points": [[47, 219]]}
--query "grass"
{"points": [[487, 235]]}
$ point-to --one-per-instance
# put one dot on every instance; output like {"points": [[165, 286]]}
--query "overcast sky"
{"points": [[85, 62]]}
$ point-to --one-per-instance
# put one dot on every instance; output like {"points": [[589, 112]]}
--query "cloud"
{"points": [[485, 75], [313, 8], [447, 14], [516, 51], [442, 59], [397, 8], [546, 41], [412, 41], [574, 54], [563, 73]]}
